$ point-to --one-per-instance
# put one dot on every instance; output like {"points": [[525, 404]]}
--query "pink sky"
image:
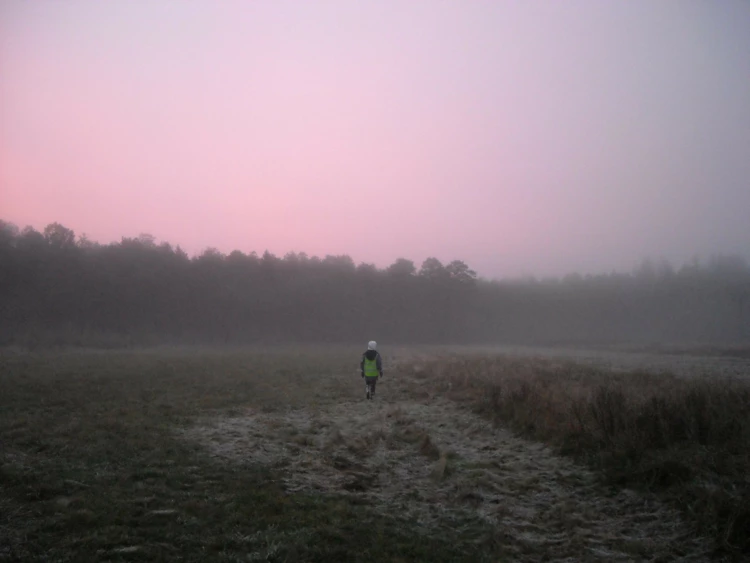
{"points": [[522, 137]]}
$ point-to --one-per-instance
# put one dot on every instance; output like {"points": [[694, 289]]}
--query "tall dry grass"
{"points": [[688, 439]]}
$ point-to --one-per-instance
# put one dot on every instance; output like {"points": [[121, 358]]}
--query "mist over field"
{"points": [[57, 289], [538, 209]]}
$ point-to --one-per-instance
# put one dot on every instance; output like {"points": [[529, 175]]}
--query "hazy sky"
{"points": [[519, 136]]}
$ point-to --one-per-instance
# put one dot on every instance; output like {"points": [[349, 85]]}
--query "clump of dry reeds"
{"points": [[688, 439]]}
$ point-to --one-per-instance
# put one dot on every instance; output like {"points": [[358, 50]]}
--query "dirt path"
{"points": [[442, 466]]}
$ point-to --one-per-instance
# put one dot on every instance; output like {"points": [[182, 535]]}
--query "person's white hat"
{"points": [[372, 345]]}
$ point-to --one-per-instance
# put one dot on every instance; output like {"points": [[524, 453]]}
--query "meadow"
{"points": [[273, 454]]}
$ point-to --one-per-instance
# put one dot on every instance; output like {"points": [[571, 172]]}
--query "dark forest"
{"points": [[57, 289]]}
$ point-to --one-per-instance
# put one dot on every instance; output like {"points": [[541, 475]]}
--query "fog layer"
{"points": [[56, 290]]}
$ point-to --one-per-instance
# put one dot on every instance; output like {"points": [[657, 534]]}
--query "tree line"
{"points": [[56, 288]]}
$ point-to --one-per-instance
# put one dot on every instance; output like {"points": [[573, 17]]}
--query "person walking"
{"points": [[371, 368]]}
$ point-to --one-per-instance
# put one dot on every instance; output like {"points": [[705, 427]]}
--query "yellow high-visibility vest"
{"points": [[371, 368]]}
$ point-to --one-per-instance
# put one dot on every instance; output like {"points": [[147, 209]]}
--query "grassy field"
{"points": [[274, 455], [686, 438]]}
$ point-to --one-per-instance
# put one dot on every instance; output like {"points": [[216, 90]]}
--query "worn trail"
{"points": [[440, 465]]}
